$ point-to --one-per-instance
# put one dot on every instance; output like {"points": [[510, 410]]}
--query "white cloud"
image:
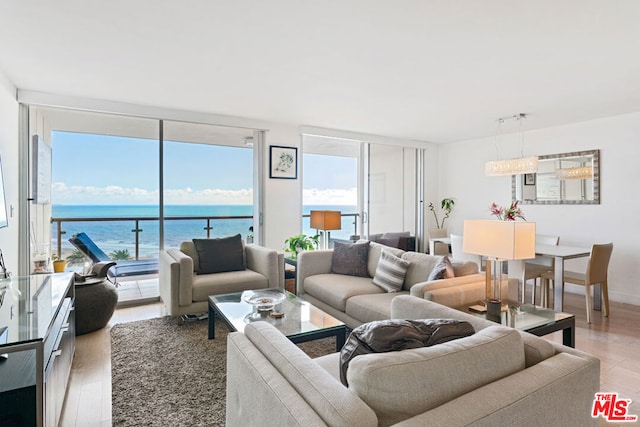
{"points": [[116, 195]]}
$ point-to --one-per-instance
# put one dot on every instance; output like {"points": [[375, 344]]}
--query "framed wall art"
{"points": [[529, 179], [283, 162]]}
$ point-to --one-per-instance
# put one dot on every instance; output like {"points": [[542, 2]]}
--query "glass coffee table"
{"points": [[301, 321], [536, 320]]}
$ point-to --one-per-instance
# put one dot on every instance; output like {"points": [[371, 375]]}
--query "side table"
{"points": [[290, 281]]}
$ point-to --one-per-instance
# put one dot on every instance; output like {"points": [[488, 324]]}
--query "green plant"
{"points": [[300, 242], [120, 254], [75, 258], [447, 206]]}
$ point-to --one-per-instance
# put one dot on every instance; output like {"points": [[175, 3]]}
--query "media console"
{"points": [[38, 314]]}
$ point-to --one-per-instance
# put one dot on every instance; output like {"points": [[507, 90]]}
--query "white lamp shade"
{"points": [[504, 240]]}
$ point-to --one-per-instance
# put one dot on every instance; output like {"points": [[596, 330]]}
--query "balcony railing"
{"points": [[138, 221]]}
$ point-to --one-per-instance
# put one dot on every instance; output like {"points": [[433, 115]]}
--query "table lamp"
{"points": [[326, 221], [498, 241]]}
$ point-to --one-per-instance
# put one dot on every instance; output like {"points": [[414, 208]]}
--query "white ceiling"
{"points": [[435, 71]]}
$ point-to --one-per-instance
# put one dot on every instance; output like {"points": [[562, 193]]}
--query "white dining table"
{"points": [[560, 253]]}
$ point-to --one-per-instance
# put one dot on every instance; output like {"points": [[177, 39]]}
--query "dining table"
{"points": [[561, 253]]}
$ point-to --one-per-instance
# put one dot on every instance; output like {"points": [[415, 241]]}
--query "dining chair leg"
{"points": [[604, 287], [587, 290]]}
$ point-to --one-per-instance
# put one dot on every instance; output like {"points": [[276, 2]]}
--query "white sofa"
{"points": [[183, 291], [356, 300], [498, 376]]}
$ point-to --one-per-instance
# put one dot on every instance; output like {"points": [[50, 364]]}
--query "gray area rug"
{"points": [[165, 372]]}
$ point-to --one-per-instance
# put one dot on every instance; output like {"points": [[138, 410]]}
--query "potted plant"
{"points": [[300, 242], [59, 264], [447, 206]]}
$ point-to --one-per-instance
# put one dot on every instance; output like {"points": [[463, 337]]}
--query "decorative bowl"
{"points": [[263, 300]]}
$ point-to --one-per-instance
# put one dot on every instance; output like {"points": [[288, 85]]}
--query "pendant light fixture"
{"points": [[520, 165]]}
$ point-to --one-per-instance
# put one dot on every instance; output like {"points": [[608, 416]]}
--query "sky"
{"points": [[92, 169]]}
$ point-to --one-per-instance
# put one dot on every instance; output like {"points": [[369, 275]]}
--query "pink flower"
{"points": [[507, 214]]}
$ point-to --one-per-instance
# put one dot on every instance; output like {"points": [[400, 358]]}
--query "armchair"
{"points": [[184, 291]]}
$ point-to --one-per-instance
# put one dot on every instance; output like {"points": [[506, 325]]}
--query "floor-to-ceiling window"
{"points": [[330, 182], [208, 182], [116, 178]]}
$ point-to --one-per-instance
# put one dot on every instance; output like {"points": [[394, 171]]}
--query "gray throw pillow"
{"points": [[350, 258], [442, 270], [396, 334], [390, 272], [219, 255]]}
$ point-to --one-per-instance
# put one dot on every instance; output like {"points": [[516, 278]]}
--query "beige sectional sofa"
{"points": [[498, 376], [356, 300]]}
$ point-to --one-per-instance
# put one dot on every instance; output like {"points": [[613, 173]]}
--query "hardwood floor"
{"points": [[615, 340]]}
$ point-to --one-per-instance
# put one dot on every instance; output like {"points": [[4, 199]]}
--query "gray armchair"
{"points": [[184, 291]]}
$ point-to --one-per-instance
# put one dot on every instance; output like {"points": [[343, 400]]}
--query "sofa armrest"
{"points": [[311, 263], [176, 279], [265, 261], [270, 378]]}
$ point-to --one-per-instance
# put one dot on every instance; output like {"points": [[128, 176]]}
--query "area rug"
{"points": [[165, 372]]}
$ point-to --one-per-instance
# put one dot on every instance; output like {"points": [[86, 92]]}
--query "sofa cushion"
{"points": [[375, 251], [442, 270], [399, 334], [219, 255], [390, 272], [367, 308], [350, 259], [420, 268], [225, 283], [402, 384], [464, 268], [335, 290]]}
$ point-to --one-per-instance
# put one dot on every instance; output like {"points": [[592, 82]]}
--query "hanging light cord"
{"points": [[496, 136]]}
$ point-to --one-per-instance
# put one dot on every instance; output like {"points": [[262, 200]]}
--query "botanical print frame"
{"points": [[283, 162], [529, 179]]}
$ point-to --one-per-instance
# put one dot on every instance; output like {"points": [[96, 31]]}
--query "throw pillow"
{"points": [[350, 258], [396, 334], [390, 272], [442, 270], [219, 255]]}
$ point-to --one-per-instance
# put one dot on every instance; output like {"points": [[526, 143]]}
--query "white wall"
{"points": [[615, 219], [10, 155]]}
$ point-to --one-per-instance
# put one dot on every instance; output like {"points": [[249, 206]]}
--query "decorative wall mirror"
{"points": [[566, 178]]}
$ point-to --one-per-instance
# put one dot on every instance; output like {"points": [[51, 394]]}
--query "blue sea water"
{"points": [[117, 235]]}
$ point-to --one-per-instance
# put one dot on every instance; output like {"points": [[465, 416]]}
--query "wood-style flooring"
{"points": [[615, 340]]}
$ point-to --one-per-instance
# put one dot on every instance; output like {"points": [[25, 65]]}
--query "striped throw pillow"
{"points": [[390, 272]]}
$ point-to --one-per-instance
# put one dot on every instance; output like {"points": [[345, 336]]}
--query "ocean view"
{"points": [[117, 235]]}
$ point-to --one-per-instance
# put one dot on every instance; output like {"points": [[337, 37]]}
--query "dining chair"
{"points": [[596, 273], [458, 255], [535, 268]]}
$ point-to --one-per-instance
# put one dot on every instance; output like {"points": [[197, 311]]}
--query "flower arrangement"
{"points": [[511, 213]]}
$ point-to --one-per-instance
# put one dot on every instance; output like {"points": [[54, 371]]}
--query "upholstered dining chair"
{"points": [[596, 273], [534, 269]]}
